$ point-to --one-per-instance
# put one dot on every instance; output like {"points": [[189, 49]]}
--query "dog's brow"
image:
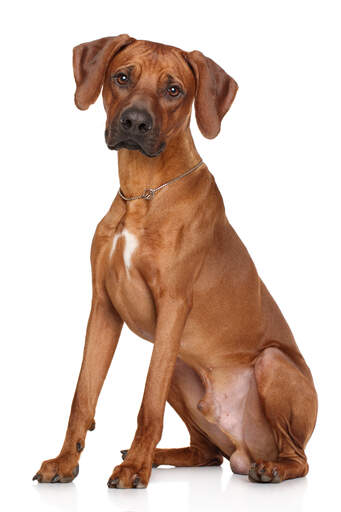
{"points": [[126, 67], [171, 78]]}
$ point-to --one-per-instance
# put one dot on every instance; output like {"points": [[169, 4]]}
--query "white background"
{"points": [[277, 164]]}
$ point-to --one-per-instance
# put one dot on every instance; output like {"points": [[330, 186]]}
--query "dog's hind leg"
{"points": [[201, 452], [290, 405]]}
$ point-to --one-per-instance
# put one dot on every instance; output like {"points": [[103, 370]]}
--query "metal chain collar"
{"points": [[150, 192]]}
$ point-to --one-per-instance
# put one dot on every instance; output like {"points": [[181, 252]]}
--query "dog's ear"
{"points": [[90, 62], [215, 92]]}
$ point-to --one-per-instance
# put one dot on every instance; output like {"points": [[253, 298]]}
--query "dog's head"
{"points": [[148, 90]]}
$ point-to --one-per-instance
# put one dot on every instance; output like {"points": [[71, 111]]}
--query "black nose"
{"points": [[136, 121]]}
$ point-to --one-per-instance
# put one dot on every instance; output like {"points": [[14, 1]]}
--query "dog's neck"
{"points": [[138, 172]]}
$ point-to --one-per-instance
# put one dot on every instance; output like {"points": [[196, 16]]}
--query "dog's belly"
{"points": [[225, 405]]}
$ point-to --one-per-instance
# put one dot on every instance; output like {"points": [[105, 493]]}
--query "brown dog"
{"points": [[169, 265]]}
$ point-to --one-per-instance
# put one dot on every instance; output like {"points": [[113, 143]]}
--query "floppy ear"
{"points": [[90, 62], [215, 92]]}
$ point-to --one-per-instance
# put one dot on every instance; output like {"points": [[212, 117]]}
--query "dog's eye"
{"points": [[173, 90], [121, 78]]}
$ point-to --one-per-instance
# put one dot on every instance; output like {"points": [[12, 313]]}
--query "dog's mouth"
{"points": [[133, 146]]}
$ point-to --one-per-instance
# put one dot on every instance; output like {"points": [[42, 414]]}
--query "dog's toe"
{"points": [[264, 472], [124, 453], [112, 483], [56, 470]]}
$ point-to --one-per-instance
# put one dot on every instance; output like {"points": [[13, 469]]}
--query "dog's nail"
{"points": [[124, 453], [136, 481], [55, 479], [92, 426], [276, 478], [155, 465], [75, 471], [112, 483], [79, 446], [35, 477], [253, 476]]}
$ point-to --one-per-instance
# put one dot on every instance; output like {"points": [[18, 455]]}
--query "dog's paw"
{"points": [[62, 469], [129, 476], [265, 472]]}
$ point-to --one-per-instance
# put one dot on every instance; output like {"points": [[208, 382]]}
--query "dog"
{"points": [[166, 261]]}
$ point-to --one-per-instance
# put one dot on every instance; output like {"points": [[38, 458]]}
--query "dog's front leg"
{"points": [[136, 468], [102, 335]]}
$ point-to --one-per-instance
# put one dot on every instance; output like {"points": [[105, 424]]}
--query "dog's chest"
{"points": [[126, 286]]}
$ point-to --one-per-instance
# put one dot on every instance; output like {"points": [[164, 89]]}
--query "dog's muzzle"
{"points": [[134, 129]]}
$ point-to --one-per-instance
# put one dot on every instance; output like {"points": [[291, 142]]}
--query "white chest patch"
{"points": [[130, 245]]}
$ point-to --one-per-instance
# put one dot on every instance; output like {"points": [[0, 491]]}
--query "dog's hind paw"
{"points": [[264, 472]]}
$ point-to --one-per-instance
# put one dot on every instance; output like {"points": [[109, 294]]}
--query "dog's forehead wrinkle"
{"points": [[152, 52], [155, 47]]}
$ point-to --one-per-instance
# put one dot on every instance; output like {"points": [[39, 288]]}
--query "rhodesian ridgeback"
{"points": [[166, 261]]}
